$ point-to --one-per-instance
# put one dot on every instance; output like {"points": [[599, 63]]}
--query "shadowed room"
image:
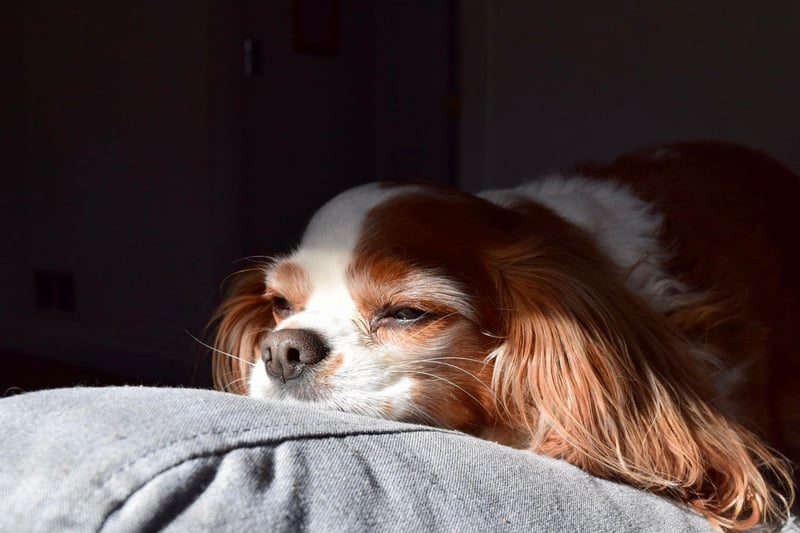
{"points": [[149, 150], [435, 265]]}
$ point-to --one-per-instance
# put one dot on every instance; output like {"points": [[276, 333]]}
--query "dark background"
{"points": [[141, 158]]}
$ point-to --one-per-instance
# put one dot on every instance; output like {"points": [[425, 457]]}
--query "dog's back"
{"points": [[731, 223]]}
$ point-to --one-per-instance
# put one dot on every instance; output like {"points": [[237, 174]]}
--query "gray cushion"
{"points": [[138, 459]]}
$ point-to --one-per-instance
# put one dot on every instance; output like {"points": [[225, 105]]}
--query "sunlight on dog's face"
{"points": [[386, 331]]}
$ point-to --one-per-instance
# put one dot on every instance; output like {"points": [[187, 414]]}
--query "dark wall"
{"points": [[411, 71], [142, 163], [139, 162], [12, 187], [317, 123], [116, 193], [308, 119], [547, 84]]}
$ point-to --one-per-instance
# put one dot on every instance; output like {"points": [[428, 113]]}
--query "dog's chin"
{"points": [[305, 388], [390, 401]]}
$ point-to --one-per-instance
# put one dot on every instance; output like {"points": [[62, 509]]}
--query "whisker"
{"points": [[441, 378], [424, 416], [231, 383], [464, 370], [221, 352], [406, 367], [260, 259], [448, 358], [430, 324], [257, 267]]}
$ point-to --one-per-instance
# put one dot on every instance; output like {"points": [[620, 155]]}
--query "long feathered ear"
{"points": [[241, 319], [601, 380]]}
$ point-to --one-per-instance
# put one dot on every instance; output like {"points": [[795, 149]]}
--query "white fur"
{"points": [[324, 253], [624, 226], [337, 224]]}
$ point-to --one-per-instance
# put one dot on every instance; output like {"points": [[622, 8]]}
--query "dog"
{"points": [[637, 319]]}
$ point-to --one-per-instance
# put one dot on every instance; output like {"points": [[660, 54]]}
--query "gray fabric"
{"points": [[143, 459]]}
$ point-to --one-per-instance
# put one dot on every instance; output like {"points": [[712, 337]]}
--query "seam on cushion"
{"points": [[194, 493], [229, 447], [225, 449], [269, 440]]}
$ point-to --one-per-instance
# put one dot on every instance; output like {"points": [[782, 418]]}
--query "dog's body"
{"points": [[608, 318]]}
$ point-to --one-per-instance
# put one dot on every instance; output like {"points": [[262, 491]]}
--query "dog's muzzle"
{"points": [[287, 352]]}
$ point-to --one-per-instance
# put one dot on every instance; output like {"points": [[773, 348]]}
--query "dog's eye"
{"points": [[281, 306], [407, 314], [398, 317]]}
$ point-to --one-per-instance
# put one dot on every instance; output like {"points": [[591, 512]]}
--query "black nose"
{"points": [[286, 352]]}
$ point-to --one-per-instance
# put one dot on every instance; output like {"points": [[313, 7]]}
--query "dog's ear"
{"points": [[241, 320], [603, 381]]}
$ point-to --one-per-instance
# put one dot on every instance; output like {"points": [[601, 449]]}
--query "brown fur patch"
{"points": [[290, 281], [240, 323], [428, 240]]}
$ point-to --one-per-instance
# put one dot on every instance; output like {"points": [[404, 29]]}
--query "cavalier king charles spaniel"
{"points": [[637, 319]]}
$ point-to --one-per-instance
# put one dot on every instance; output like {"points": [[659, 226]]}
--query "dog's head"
{"points": [[384, 309], [424, 304]]}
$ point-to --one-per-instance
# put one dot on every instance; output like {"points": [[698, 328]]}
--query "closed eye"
{"points": [[408, 314], [399, 317], [281, 307]]}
